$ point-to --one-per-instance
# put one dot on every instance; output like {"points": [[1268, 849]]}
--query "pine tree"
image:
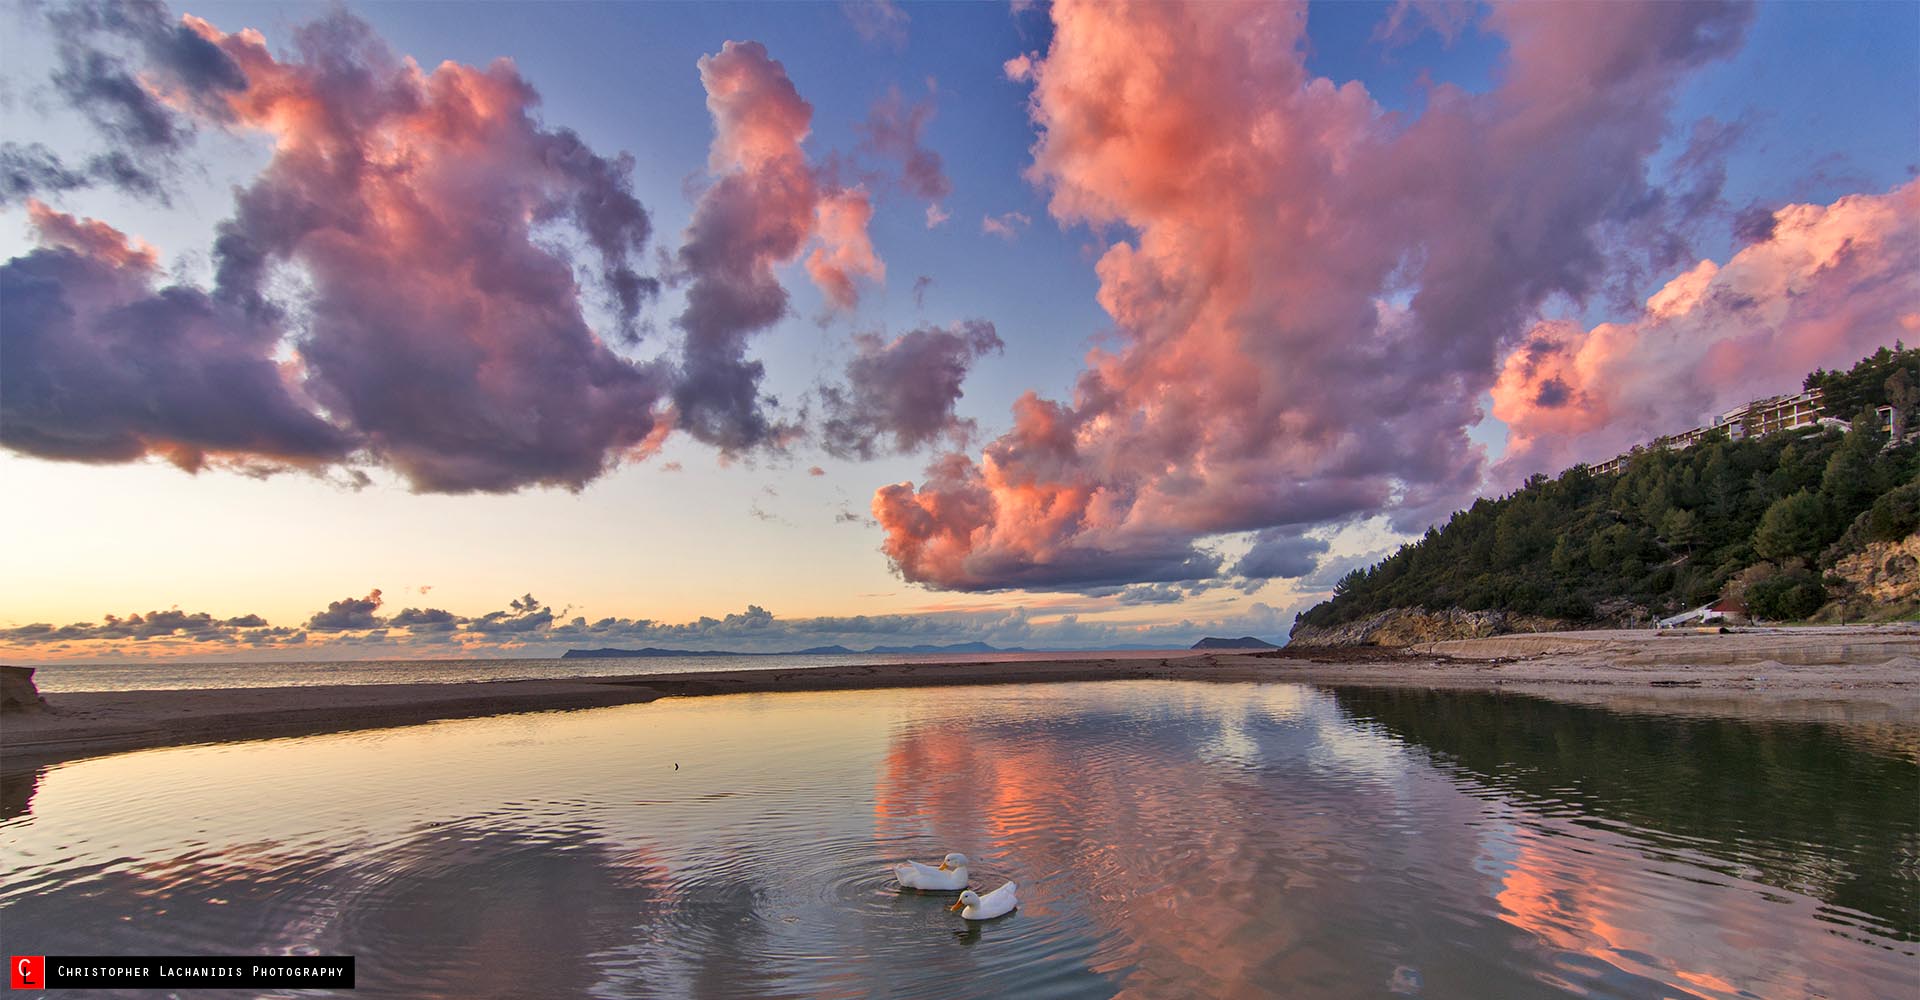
{"points": [[1681, 529], [1797, 525], [1851, 481]]}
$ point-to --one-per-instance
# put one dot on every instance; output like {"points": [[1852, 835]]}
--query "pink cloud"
{"points": [[900, 394], [1313, 294], [90, 238], [1827, 285], [844, 251], [441, 338], [448, 335], [767, 204]]}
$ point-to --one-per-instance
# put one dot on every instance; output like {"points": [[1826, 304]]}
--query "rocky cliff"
{"points": [[1883, 573], [18, 692], [1409, 626]]}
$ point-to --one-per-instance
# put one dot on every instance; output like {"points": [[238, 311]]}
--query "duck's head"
{"points": [[952, 861], [967, 898]]}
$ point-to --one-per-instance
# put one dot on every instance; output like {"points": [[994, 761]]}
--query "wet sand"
{"points": [[1861, 675]]}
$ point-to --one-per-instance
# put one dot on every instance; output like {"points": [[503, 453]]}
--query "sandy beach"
{"points": [[1866, 675]]}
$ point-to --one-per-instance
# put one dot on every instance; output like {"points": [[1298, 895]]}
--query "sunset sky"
{"points": [[359, 330]]}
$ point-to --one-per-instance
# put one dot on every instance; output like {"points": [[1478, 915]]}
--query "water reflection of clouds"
{"points": [[1211, 847], [1796, 806], [1156, 824], [1579, 893], [1170, 839]]}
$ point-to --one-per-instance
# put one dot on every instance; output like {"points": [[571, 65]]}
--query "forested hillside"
{"points": [[1765, 519]]}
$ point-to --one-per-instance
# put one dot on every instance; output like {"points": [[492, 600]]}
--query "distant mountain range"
{"points": [[1244, 642], [620, 654]]}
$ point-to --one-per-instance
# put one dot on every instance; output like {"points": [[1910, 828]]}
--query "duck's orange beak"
{"points": [[945, 867], [956, 905]]}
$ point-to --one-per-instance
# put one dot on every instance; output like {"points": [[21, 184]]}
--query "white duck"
{"points": [[951, 875], [997, 903]]}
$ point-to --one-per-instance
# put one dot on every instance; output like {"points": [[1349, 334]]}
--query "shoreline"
{"points": [[1851, 675]]}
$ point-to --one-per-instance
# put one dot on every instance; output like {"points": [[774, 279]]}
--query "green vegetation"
{"points": [[1761, 518], [1865, 384]]}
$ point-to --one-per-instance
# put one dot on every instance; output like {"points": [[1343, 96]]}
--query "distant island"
{"points": [[624, 654], [1244, 642]]}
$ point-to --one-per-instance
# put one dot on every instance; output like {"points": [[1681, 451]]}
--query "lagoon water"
{"points": [[1170, 839]]}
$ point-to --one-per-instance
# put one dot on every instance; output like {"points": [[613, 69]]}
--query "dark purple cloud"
{"points": [[1278, 553], [97, 364], [899, 394], [425, 620], [443, 337], [348, 614], [526, 626], [1171, 592], [31, 169], [441, 329], [154, 625], [1656, 233], [1753, 224], [1553, 392], [766, 203], [28, 169], [114, 58], [512, 622], [522, 615]]}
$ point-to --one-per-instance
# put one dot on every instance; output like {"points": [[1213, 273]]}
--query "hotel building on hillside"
{"points": [[1759, 417], [1775, 413]]}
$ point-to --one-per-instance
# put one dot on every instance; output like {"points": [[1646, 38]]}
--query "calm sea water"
{"points": [[169, 675], [1170, 839]]}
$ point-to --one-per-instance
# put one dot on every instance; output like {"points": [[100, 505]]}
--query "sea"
{"points": [[171, 675]]}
